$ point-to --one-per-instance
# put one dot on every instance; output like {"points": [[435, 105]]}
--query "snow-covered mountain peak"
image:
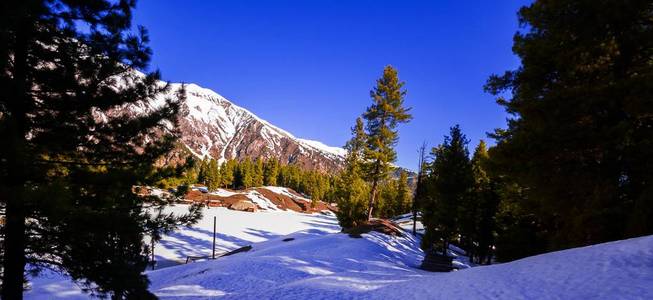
{"points": [[214, 127]]}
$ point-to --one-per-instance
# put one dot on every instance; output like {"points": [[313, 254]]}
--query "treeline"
{"points": [[246, 173], [394, 193]]}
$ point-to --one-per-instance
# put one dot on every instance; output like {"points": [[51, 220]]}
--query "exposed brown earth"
{"points": [[239, 201], [282, 201], [378, 225]]}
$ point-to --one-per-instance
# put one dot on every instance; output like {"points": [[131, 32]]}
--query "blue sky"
{"points": [[308, 66]]}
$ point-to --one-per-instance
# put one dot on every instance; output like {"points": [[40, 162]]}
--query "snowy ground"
{"points": [[235, 229], [320, 263]]}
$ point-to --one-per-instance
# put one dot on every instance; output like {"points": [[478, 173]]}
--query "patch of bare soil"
{"points": [[215, 200], [282, 201], [378, 225]]}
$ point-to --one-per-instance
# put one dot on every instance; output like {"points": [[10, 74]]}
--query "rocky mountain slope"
{"points": [[213, 127]]}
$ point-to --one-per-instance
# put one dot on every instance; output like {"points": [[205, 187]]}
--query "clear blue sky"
{"points": [[308, 66]]}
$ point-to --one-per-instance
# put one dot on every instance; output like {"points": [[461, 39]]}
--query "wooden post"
{"points": [[152, 242], [214, 221]]}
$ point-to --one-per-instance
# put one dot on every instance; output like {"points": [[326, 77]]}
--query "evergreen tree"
{"points": [[258, 178], [228, 173], [350, 188], [386, 199], [66, 171], [213, 180], [484, 205], [271, 172], [579, 137], [246, 173], [383, 116], [449, 182], [403, 200], [203, 173]]}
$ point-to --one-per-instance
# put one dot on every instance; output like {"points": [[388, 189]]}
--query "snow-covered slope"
{"points": [[319, 263], [315, 265], [214, 127], [234, 229]]}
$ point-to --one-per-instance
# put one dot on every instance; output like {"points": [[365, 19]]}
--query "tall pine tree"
{"points": [[483, 203], [449, 181], [66, 172], [351, 189], [383, 116], [580, 135]]}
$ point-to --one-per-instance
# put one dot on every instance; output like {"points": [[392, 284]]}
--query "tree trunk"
{"points": [[15, 212], [375, 185], [372, 198], [414, 221], [14, 256]]}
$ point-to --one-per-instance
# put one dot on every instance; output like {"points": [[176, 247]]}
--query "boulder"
{"points": [[243, 205]]}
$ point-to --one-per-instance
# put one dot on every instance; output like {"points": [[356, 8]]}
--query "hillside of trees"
{"points": [[394, 196]]}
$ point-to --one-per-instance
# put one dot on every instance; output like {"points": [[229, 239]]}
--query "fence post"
{"points": [[214, 221]]}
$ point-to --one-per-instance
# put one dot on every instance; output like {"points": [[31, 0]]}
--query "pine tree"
{"points": [[62, 166], [203, 174], [450, 180], [403, 201], [229, 173], [271, 172], [386, 205], [383, 116], [484, 206], [246, 173], [258, 176], [350, 188], [213, 179]]}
